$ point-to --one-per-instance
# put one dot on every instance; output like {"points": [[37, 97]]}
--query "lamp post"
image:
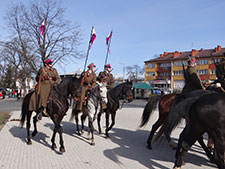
{"points": [[123, 71]]}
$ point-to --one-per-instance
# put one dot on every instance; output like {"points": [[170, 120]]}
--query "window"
{"points": [[162, 74], [150, 73], [179, 63], [150, 65], [176, 73], [203, 72], [164, 64], [203, 62], [217, 60], [213, 71]]}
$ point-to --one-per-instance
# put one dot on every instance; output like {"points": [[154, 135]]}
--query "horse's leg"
{"points": [[99, 124], [53, 138], [83, 118], [208, 153], [62, 148], [91, 129], [210, 143], [113, 116], [154, 128], [107, 123], [28, 127], [77, 122], [35, 126]]}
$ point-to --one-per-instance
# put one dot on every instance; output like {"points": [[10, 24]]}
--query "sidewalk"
{"points": [[125, 150]]}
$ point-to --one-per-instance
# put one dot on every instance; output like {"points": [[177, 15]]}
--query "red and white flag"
{"points": [[42, 27], [108, 38], [42, 30], [93, 36]]}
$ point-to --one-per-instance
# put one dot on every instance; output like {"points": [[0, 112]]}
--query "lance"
{"points": [[107, 53], [89, 47]]}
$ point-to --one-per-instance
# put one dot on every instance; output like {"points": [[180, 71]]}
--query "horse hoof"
{"points": [[29, 142], [107, 137], [149, 146], [34, 133], [88, 138], [92, 143], [78, 133], [54, 147], [100, 133], [62, 149]]}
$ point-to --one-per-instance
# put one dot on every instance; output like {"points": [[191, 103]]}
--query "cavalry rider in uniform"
{"points": [[88, 83], [46, 78], [107, 78], [192, 80]]}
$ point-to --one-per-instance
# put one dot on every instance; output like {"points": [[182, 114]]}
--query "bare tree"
{"points": [[60, 39], [133, 71]]}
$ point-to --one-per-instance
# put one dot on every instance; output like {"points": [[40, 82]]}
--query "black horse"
{"points": [[120, 92], [204, 114], [56, 108]]}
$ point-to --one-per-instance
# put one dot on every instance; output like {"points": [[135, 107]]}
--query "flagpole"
{"points": [[88, 50], [107, 53]]}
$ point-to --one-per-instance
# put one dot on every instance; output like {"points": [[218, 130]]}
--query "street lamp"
{"points": [[123, 71]]}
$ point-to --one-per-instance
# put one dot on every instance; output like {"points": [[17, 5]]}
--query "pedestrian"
{"points": [[46, 78]]}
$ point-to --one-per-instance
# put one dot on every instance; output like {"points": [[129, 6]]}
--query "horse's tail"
{"points": [[149, 108], [179, 108], [25, 108]]}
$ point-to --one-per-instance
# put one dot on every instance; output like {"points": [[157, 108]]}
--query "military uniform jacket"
{"points": [[45, 78], [89, 80], [107, 78], [192, 82]]}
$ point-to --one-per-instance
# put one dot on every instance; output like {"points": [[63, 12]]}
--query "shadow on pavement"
{"points": [[132, 145], [22, 134]]}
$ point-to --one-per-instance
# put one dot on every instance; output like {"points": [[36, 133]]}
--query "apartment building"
{"points": [[166, 71]]}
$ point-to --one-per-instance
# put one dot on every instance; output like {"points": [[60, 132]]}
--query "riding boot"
{"points": [[39, 113]]}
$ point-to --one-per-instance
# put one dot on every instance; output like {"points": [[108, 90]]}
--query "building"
{"points": [[166, 71]]}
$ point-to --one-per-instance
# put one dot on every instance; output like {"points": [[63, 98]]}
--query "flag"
{"points": [[42, 27], [108, 37], [93, 36], [42, 30]]}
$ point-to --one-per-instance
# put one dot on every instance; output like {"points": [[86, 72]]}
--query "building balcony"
{"points": [[162, 77], [163, 69]]}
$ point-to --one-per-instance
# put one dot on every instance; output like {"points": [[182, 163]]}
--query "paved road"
{"points": [[8, 105], [125, 150]]}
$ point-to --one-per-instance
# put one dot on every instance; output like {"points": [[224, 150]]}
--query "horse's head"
{"points": [[74, 87], [128, 90], [103, 92]]}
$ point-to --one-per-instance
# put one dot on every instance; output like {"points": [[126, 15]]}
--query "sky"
{"points": [[141, 28]]}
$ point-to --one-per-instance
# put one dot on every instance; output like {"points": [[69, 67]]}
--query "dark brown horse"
{"points": [[120, 92], [56, 108], [204, 114]]}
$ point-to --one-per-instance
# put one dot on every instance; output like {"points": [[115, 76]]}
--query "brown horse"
{"points": [[165, 102], [164, 107]]}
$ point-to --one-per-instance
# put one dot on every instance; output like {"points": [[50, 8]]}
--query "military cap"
{"points": [[91, 65]]}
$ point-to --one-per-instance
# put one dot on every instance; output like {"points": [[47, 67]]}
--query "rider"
{"points": [[46, 78], [106, 77], [192, 80], [88, 82]]}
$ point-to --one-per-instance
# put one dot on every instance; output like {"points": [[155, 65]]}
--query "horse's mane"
{"points": [[114, 92]]}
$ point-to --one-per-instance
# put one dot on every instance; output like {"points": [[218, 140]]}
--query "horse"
{"points": [[56, 108], [120, 92], [90, 108], [205, 114], [163, 102]]}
